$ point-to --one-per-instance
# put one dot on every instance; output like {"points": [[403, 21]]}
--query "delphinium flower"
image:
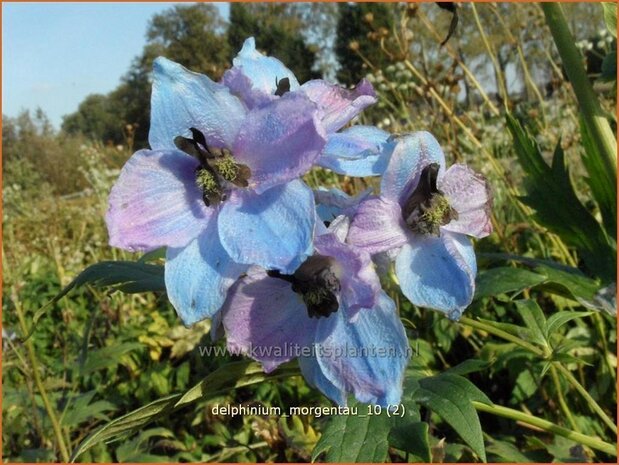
{"points": [[423, 216], [219, 187], [333, 202], [355, 151], [331, 314]]}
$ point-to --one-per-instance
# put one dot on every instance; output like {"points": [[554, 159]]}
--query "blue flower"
{"points": [[330, 314], [219, 187], [331, 203], [423, 216], [356, 151]]}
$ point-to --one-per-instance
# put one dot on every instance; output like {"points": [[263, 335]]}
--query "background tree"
{"points": [[360, 28], [192, 35], [277, 28], [96, 118]]}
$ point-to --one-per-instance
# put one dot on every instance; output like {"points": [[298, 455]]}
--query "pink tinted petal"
{"points": [[155, 202], [469, 195], [338, 104], [280, 141], [240, 85], [359, 282], [266, 320], [377, 226]]}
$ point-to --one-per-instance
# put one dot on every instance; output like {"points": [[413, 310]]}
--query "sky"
{"points": [[54, 55]]}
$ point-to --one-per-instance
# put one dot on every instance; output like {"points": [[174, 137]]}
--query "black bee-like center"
{"points": [[316, 282], [218, 169]]}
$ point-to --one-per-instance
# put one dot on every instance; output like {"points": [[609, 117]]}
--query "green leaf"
{"points": [[136, 450], [107, 357], [601, 181], [412, 438], [130, 277], [515, 330], [132, 421], [355, 438], [525, 385], [561, 280], [232, 376], [224, 379], [450, 397], [572, 284], [609, 67], [501, 280], [472, 365], [551, 194], [81, 409], [153, 255], [558, 319], [507, 451], [534, 319], [610, 17]]}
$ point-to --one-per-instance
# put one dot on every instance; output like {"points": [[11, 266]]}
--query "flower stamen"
{"points": [[217, 167], [427, 208]]}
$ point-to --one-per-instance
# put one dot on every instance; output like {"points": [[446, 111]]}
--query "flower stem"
{"points": [[546, 425], [544, 355], [64, 453], [590, 401], [502, 334], [561, 398], [592, 113]]}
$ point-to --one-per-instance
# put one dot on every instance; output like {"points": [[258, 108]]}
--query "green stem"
{"points": [[41, 388], [590, 401], [545, 355], [592, 112], [546, 425], [561, 398], [500, 78], [502, 334]]}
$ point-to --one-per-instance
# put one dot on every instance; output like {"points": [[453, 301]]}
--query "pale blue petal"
{"points": [[438, 272], [411, 154], [273, 230], [182, 99], [357, 151], [263, 72], [366, 357], [199, 275], [330, 203], [280, 141], [315, 377]]}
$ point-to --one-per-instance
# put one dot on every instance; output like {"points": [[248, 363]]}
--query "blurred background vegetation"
{"points": [[96, 354]]}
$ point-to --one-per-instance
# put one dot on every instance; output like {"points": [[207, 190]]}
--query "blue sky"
{"points": [[53, 55]]}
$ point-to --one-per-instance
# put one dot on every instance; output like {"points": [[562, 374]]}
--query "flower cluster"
{"points": [[275, 264]]}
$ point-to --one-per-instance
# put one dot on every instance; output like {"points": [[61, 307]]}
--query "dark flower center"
{"points": [[317, 283], [283, 86], [218, 169], [427, 208]]}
